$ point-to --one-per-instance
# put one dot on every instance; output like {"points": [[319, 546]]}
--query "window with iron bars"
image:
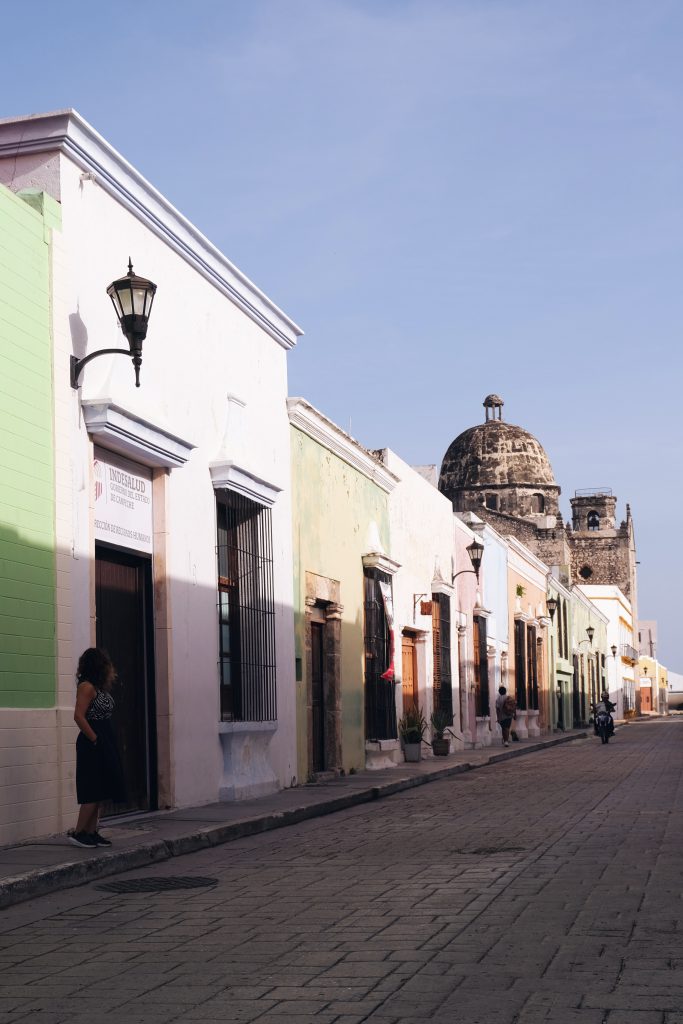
{"points": [[441, 640], [481, 668], [246, 611], [380, 694]]}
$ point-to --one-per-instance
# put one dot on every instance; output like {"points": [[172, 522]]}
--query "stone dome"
{"points": [[503, 459], [494, 454]]}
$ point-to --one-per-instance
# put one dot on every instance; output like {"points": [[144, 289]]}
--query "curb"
{"points": [[65, 876]]}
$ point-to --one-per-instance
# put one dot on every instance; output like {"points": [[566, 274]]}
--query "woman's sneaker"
{"points": [[100, 840], [83, 839]]}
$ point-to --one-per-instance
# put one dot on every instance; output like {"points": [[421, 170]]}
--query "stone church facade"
{"points": [[501, 472]]}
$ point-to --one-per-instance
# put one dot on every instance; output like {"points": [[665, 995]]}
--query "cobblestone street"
{"points": [[543, 889]]}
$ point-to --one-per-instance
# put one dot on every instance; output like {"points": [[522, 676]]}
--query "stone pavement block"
{"points": [[635, 1017], [559, 1015], [640, 1000], [236, 1011]]}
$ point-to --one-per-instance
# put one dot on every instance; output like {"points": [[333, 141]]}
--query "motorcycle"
{"points": [[603, 725]]}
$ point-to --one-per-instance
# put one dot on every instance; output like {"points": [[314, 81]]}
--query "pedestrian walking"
{"points": [[99, 776], [506, 710]]}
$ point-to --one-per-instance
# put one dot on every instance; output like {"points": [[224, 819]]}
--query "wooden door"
{"points": [[122, 583], [410, 690], [318, 696]]}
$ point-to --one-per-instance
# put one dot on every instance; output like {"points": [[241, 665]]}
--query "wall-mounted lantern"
{"points": [[132, 298], [551, 604], [476, 552], [590, 632]]}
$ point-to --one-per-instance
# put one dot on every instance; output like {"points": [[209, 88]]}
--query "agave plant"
{"points": [[440, 721], [412, 725]]}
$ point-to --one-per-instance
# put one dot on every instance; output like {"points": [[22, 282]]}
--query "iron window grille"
{"points": [[520, 665], [481, 668], [380, 694], [532, 668], [441, 640], [246, 610]]}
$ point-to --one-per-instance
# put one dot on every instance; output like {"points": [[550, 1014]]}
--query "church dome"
{"points": [[496, 453]]}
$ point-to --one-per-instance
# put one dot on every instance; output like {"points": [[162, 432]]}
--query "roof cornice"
{"points": [[315, 425], [65, 131]]}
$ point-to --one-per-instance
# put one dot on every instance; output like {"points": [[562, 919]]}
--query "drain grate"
{"points": [[169, 884]]}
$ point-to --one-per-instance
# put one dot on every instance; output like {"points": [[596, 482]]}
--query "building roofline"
{"points": [[65, 131], [310, 421]]}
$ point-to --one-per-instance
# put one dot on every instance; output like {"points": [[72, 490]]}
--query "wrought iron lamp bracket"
{"points": [[76, 365]]}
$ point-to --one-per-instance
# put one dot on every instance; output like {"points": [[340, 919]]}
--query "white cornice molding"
{"points": [[128, 434], [378, 560], [315, 425], [439, 586], [227, 476], [65, 131]]}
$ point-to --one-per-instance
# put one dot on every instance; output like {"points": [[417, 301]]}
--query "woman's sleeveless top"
{"points": [[101, 707]]}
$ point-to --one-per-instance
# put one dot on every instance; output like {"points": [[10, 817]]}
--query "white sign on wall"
{"points": [[123, 502]]}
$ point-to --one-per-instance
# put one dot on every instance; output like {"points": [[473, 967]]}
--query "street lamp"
{"points": [[590, 633], [614, 651], [551, 604], [476, 552], [132, 297]]}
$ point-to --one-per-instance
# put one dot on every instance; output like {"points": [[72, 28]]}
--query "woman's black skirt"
{"points": [[99, 775]]}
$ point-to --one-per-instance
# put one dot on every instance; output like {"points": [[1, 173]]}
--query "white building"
{"points": [[621, 640], [421, 531], [150, 481], [675, 694]]}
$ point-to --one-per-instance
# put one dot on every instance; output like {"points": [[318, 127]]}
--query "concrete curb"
{"points": [[65, 876]]}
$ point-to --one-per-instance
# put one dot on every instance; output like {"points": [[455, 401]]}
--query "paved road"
{"points": [[545, 890]]}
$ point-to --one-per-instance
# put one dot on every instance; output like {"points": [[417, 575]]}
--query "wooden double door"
{"points": [[123, 602], [409, 671]]}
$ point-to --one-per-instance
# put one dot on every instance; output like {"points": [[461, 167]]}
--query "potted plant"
{"points": [[411, 728], [440, 720]]}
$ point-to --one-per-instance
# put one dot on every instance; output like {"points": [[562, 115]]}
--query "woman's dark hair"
{"points": [[94, 666], [501, 690]]}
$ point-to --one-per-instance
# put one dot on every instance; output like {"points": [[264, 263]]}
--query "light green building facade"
{"points": [[27, 504], [340, 525], [578, 660]]}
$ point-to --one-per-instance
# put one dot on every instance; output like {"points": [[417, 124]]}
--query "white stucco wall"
{"points": [[421, 531], [200, 347], [495, 598], [616, 607]]}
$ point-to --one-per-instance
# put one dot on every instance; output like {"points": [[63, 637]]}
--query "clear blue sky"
{"points": [[452, 198]]}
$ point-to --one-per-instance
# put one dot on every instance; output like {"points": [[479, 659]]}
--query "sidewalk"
{"points": [[40, 866]]}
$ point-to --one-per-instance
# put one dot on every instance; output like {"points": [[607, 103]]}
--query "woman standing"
{"points": [[99, 775]]}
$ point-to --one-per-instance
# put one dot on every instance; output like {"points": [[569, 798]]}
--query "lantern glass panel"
{"points": [[139, 301], [150, 300], [114, 296], [126, 300]]}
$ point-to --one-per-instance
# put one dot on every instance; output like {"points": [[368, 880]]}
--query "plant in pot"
{"points": [[440, 720], [411, 728]]}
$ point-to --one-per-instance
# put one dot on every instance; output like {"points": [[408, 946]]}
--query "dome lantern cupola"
{"points": [[493, 404]]}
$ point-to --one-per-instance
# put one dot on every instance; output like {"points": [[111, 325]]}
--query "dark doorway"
{"points": [[123, 596], [576, 695], [318, 696]]}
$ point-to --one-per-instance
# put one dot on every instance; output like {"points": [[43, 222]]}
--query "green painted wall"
{"points": [[27, 510], [332, 508]]}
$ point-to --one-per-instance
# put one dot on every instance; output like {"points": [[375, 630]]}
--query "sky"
{"points": [[451, 197]]}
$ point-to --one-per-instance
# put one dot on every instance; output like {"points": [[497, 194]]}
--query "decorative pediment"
{"points": [[129, 434]]}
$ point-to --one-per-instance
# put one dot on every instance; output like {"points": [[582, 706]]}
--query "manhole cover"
{"points": [[168, 884]]}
